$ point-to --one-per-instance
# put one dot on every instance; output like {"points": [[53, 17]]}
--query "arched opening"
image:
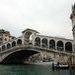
{"points": [[18, 57], [52, 44], [13, 44], [28, 37], [19, 42], [60, 45], [37, 41], [44, 42], [8, 46], [68, 47], [3, 47]]}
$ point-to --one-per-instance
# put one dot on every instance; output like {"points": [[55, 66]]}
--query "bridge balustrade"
{"points": [[60, 48], [44, 43], [10, 45], [52, 44], [51, 47]]}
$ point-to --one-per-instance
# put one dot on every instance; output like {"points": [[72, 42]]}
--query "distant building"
{"points": [[5, 36]]}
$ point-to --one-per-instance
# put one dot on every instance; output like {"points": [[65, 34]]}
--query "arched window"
{"points": [[44, 42], [37, 41], [60, 45], [68, 47], [28, 36], [3, 47], [52, 44], [8, 46], [13, 44], [19, 42]]}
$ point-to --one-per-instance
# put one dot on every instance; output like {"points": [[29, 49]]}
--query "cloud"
{"points": [[50, 17]]}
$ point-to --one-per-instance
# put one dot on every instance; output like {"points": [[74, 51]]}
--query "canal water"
{"points": [[32, 70]]}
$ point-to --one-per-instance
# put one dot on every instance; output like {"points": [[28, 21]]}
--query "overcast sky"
{"points": [[49, 17]]}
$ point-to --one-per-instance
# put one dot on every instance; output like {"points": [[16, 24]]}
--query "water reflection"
{"points": [[72, 72]]}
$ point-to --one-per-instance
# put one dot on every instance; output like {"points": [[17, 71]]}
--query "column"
{"points": [[41, 42], [48, 43], [56, 45], [64, 47]]}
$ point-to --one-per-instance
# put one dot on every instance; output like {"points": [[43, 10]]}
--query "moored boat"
{"points": [[59, 66]]}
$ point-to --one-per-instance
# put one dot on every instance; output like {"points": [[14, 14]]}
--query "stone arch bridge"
{"points": [[31, 43]]}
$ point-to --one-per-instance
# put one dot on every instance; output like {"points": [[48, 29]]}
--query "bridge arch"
{"points": [[52, 44], [19, 42], [44, 42], [60, 45], [68, 46], [8, 46], [13, 43], [3, 47], [18, 56], [37, 41]]}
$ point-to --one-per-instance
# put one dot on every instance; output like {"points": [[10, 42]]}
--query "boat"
{"points": [[59, 66]]}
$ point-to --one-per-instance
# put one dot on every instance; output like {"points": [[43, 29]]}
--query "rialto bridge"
{"points": [[31, 43]]}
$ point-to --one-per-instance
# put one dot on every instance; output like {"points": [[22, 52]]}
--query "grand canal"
{"points": [[32, 70]]}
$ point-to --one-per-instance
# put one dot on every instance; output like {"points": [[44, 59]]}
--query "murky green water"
{"points": [[32, 70]]}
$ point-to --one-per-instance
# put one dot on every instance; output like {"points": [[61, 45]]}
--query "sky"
{"points": [[48, 17]]}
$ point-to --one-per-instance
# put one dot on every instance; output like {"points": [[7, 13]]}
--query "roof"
{"points": [[3, 31], [30, 30]]}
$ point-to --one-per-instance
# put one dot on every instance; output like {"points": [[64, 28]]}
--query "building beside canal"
{"points": [[32, 46], [5, 36]]}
